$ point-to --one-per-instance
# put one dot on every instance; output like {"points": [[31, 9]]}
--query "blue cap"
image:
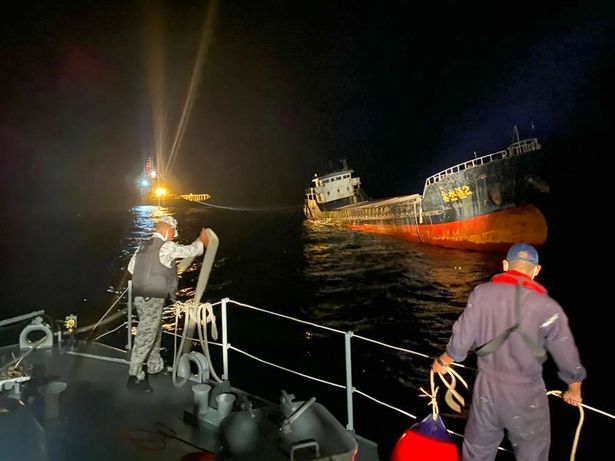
{"points": [[522, 252]]}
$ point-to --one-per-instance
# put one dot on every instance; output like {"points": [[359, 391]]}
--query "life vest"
{"points": [[520, 283], [152, 279]]}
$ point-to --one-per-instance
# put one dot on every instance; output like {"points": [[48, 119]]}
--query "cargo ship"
{"points": [[485, 204]]}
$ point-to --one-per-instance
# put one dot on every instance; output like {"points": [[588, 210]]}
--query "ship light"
{"points": [[153, 174], [70, 323], [145, 183], [161, 191]]}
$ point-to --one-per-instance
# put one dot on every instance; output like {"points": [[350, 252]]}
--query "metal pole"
{"points": [[19, 318], [129, 317], [224, 341], [349, 388]]}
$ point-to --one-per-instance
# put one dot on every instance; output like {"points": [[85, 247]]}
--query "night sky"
{"points": [[400, 89]]}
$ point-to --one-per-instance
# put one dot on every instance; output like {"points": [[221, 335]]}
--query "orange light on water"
{"points": [[161, 192]]}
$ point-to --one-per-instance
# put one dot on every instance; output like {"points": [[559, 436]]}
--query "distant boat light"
{"points": [[152, 174], [145, 183]]}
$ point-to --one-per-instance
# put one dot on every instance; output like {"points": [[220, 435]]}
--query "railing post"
{"points": [[224, 341], [129, 317], [349, 388]]}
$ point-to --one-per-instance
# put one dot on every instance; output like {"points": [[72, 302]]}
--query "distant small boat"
{"points": [[153, 189], [485, 204]]}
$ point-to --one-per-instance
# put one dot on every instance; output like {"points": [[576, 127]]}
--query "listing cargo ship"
{"points": [[485, 204]]}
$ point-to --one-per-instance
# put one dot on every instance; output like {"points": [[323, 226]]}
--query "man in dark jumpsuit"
{"points": [[154, 279], [511, 322]]}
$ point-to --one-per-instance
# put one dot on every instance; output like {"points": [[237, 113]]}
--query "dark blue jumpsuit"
{"points": [[509, 392]]}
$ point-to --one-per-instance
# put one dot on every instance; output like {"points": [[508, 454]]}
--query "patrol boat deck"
{"points": [[78, 404], [74, 405]]}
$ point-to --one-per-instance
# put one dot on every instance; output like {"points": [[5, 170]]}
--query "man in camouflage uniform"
{"points": [[154, 278]]}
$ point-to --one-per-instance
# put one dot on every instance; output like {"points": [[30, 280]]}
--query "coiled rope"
{"points": [[452, 398], [201, 314], [455, 401]]}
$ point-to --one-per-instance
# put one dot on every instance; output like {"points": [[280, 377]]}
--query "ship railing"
{"points": [[348, 386], [350, 389], [518, 148], [194, 197]]}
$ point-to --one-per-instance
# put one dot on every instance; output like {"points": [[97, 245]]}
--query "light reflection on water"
{"points": [[387, 280]]}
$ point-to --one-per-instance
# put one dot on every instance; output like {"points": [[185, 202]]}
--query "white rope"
{"points": [[338, 331], [232, 208], [111, 331], [384, 404], [205, 314], [575, 442], [108, 310], [286, 317], [190, 339], [596, 410], [177, 383], [385, 345], [409, 351], [453, 398], [432, 396], [200, 315], [285, 369], [392, 347]]}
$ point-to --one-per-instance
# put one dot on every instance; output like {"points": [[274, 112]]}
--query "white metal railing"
{"points": [[350, 389], [348, 335], [517, 148], [226, 346]]}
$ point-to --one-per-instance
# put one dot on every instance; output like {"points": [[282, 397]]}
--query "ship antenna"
{"points": [[515, 134]]}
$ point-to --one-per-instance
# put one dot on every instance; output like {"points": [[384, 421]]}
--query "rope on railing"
{"points": [[108, 310], [111, 331], [384, 404], [286, 317], [397, 348], [285, 369], [190, 339]]}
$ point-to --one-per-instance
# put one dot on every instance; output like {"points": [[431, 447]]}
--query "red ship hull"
{"points": [[490, 232]]}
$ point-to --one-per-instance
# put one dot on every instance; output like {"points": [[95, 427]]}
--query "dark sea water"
{"points": [[394, 291]]}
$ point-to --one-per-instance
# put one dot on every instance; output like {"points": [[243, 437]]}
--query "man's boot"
{"points": [[139, 385]]}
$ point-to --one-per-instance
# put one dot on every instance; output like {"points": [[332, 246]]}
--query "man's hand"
{"points": [[441, 364], [572, 396], [203, 237]]}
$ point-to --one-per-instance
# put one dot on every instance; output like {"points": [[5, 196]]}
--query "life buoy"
{"points": [[427, 440]]}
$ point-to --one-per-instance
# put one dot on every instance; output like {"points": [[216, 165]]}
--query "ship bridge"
{"points": [[334, 186]]}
